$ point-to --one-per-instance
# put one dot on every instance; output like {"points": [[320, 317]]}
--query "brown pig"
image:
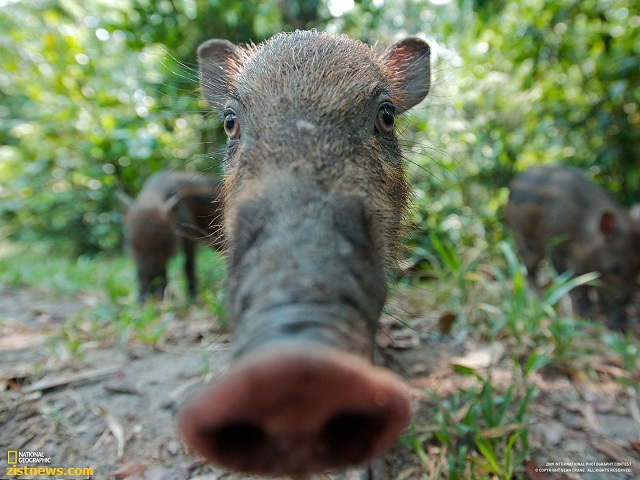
{"points": [[173, 208], [558, 210], [314, 198]]}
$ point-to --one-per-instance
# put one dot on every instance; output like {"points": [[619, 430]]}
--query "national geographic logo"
{"points": [[27, 463], [15, 457]]}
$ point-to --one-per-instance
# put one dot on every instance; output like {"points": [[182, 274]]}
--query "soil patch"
{"points": [[114, 410]]}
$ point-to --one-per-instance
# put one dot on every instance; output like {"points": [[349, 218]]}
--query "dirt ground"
{"points": [[114, 409]]}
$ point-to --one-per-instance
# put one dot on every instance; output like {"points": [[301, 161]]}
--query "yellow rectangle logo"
{"points": [[12, 457]]}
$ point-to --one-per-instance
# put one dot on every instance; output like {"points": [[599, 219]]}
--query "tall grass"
{"points": [[482, 431]]}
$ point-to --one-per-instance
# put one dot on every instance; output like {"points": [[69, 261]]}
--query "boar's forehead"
{"points": [[311, 72]]}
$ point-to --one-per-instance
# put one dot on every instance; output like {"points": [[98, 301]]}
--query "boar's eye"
{"points": [[385, 118], [231, 124]]}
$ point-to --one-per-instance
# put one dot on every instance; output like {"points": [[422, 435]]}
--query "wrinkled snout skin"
{"points": [[173, 210], [315, 195], [559, 210]]}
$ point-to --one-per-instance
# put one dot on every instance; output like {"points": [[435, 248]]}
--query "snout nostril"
{"points": [[349, 435], [235, 439], [330, 410]]}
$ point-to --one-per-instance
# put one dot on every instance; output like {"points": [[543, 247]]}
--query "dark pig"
{"points": [[559, 209], [314, 197], [172, 209]]}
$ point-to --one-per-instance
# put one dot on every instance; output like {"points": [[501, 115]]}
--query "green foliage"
{"points": [[481, 431], [491, 422], [628, 349], [531, 318], [95, 97], [523, 310], [44, 266], [415, 441], [517, 84], [455, 275]]}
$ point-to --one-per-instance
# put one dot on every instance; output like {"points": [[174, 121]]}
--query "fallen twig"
{"points": [[47, 384], [115, 427]]}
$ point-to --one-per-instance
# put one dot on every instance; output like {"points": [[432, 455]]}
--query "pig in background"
{"points": [[558, 211], [314, 197], [173, 209]]}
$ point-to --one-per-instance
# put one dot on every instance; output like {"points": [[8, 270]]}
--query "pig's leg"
{"points": [[189, 246]]}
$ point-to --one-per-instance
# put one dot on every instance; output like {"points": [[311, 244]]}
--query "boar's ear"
{"points": [[125, 201], [215, 57], [409, 63], [607, 222], [172, 202]]}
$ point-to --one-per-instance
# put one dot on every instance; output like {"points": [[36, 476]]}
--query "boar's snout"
{"points": [[306, 289], [300, 410], [308, 269]]}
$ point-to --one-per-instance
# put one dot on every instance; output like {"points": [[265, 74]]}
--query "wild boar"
{"points": [[314, 197], [172, 209], [558, 210]]}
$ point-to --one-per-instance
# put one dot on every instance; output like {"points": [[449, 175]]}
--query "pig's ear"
{"points": [[125, 201], [171, 203], [410, 67], [215, 58], [608, 222]]}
